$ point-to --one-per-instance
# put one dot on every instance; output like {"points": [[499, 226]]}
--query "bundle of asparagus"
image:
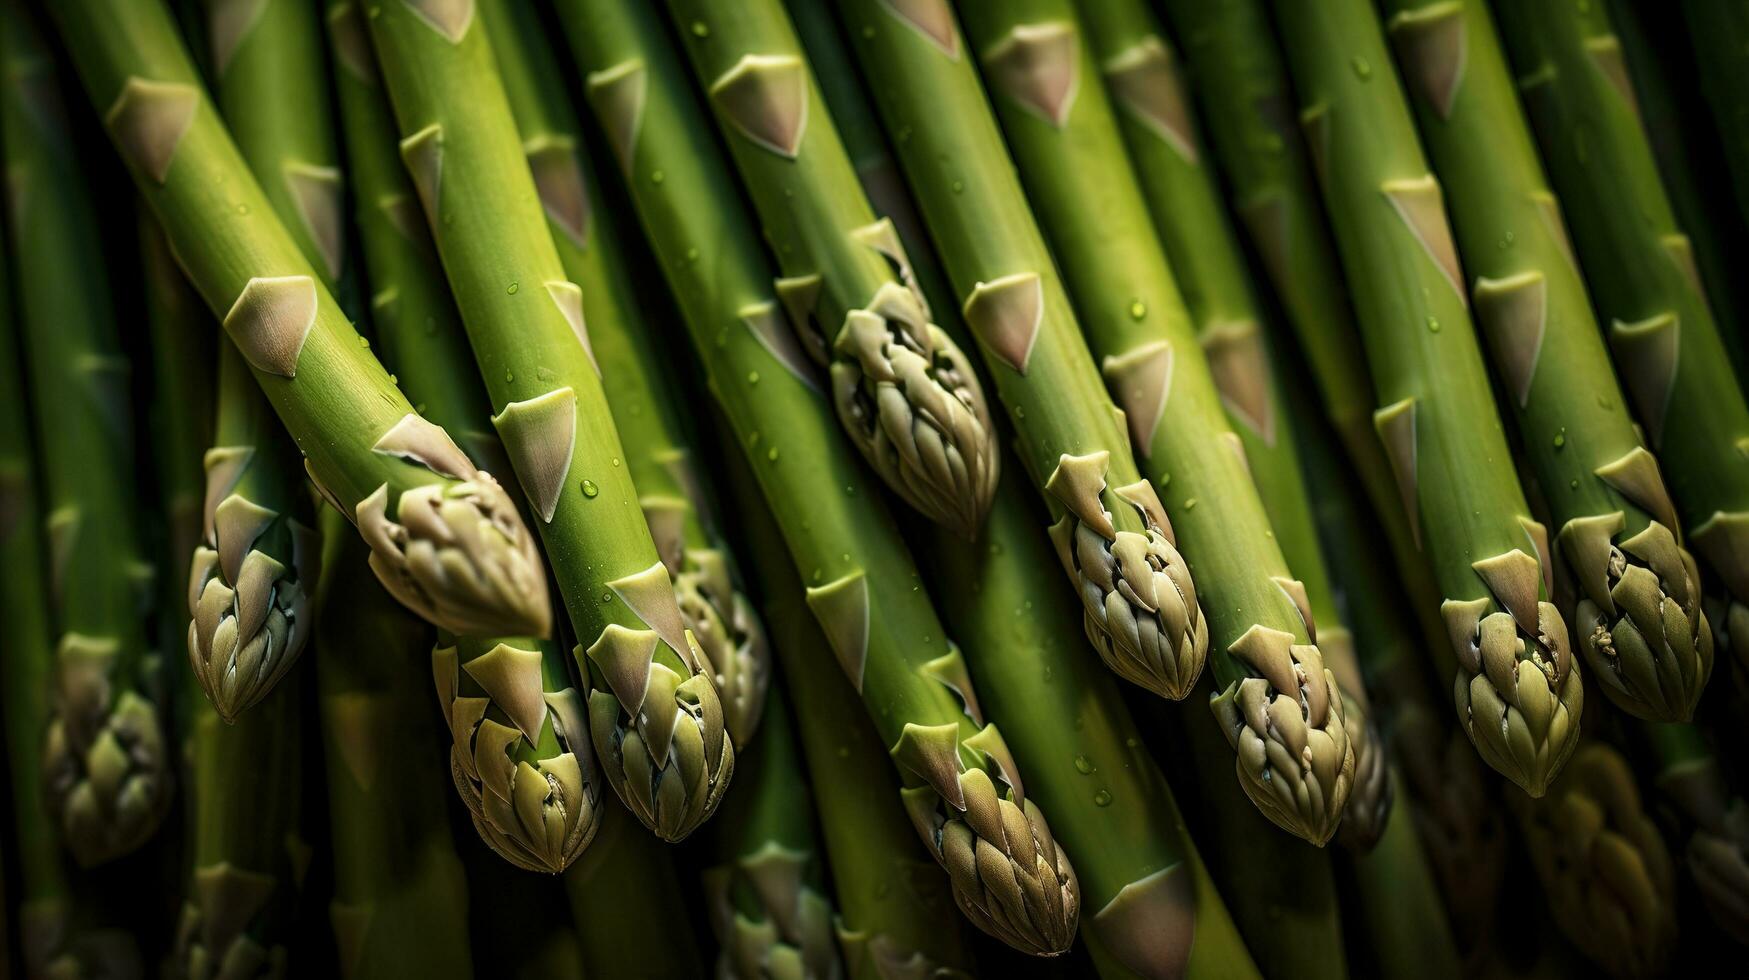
{"points": [[1333, 405]]}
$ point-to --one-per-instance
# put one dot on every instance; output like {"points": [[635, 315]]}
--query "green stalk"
{"points": [[1009, 876], [628, 906], [1643, 277], [105, 768], [1602, 862], [1111, 534], [251, 576], [1719, 32], [1712, 822], [904, 390], [1277, 704], [894, 910], [49, 936], [593, 243], [1691, 159], [767, 901], [1399, 916], [400, 904], [1461, 852], [1634, 601], [655, 717], [1159, 912], [1517, 691], [250, 580], [505, 741], [1237, 75], [445, 537]]}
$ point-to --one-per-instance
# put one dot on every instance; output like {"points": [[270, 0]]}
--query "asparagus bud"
{"points": [[1008, 875], [1141, 611], [914, 407], [1638, 619], [248, 591], [729, 634], [1372, 792], [104, 766], [1602, 861], [520, 756], [794, 936], [1717, 849], [1294, 757], [1517, 691], [661, 735]]}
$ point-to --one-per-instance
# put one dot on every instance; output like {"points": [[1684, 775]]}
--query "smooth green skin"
{"points": [[1184, 199], [1691, 159], [248, 830], [1399, 911], [222, 225], [420, 330], [25, 631], [394, 858], [626, 345], [71, 351], [952, 154], [828, 504], [1574, 417], [1027, 638], [492, 236], [1237, 76], [807, 205], [1416, 328], [1602, 166], [1386, 644], [628, 905], [1114, 264], [416, 322], [1118, 817], [1719, 33], [1293, 927], [884, 884]]}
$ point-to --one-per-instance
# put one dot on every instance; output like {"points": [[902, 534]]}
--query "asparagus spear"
{"points": [[766, 898], [592, 243], [501, 768], [1009, 875], [445, 537], [894, 913], [655, 716], [1155, 122], [1600, 858], [1518, 691], [1237, 75], [105, 770], [1636, 617], [251, 576], [1462, 839], [1691, 160], [1159, 912], [904, 390], [1643, 277], [50, 936], [1712, 822], [1113, 538], [400, 903], [1719, 32]]}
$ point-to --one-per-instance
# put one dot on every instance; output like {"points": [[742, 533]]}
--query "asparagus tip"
{"points": [[1373, 792], [1295, 759], [730, 635], [459, 555], [1518, 692]]}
